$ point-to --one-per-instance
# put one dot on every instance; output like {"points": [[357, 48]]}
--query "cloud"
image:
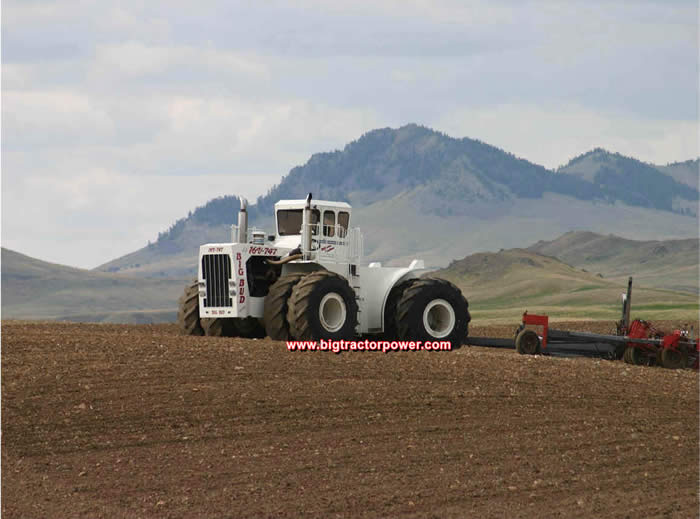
{"points": [[119, 117], [87, 198], [137, 59], [552, 136], [89, 218]]}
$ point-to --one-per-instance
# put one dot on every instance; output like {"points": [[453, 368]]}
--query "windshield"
{"points": [[289, 221]]}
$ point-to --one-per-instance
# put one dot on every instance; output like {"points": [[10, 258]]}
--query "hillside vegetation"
{"points": [[624, 179], [686, 172], [501, 286]]}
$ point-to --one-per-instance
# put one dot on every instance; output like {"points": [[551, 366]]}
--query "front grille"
{"points": [[216, 269]]}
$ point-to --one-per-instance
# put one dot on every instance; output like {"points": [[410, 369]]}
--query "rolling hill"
{"points": [[501, 285], [669, 264], [35, 289], [419, 193]]}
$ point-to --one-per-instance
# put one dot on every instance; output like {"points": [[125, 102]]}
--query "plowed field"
{"points": [[137, 421]]}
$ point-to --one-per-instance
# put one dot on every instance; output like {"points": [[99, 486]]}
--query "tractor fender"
{"points": [[401, 274]]}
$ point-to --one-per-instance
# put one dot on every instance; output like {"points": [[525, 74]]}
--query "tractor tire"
{"points": [[634, 356], [188, 311], [322, 306], [674, 359], [527, 342], [391, 327], [249, 328], [219, 327], [433, 309], [277, 304]]}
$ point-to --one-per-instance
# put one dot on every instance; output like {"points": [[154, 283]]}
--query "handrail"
{"points": [[335, 243]]}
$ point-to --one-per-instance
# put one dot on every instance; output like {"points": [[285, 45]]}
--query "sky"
{"points": [[119, 117]]}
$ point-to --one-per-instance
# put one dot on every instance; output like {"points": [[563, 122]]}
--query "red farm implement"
{"points": [[636, 342]]}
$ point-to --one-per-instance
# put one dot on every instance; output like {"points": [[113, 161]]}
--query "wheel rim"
{"points": [[439, 318], [332, 312]]}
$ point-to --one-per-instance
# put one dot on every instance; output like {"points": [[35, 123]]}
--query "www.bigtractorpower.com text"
{"points": [[336, 346]]}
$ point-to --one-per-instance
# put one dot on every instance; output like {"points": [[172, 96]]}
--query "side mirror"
{"points": [[271, 237]]}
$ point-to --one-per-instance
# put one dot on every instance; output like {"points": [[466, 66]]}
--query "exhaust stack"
{"points": [[243, 222], [305, 227]]}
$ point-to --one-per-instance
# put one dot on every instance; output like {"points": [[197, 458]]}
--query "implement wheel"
{"points": [[527, 342], [626, 356], [674, 359], [188, 311], [634, 356], [277, 305], [433, 309], [322, 306]]}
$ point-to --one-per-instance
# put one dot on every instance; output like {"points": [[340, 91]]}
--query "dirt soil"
{"points": [[136, 421]]}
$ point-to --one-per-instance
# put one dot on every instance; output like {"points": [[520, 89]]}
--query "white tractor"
{"points": [[306, 283]]}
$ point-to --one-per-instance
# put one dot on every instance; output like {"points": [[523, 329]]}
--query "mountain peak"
{"points": [[447, 175], [596, 154]]}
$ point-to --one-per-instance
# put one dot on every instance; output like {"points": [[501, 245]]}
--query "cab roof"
{"points": [[299, 204]]}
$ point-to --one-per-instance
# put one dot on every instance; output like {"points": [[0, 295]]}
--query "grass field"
{"points": [[501, 286]]}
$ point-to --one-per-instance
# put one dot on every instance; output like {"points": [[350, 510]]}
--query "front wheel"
{"points": [[277, 306], [433, 309], [250, 328], [188, 311], [246, 327], [322, 306], [218, 327]]}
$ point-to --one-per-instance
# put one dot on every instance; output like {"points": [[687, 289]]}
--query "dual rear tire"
{"points": [[427, 309], [322, 305]]}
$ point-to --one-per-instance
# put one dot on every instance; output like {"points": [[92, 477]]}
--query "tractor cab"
{"points": [[328, 224]]}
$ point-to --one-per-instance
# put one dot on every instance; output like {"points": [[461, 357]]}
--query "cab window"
{"points": [[315, 218], [329, 223], [289, 220], [343, 223]]}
